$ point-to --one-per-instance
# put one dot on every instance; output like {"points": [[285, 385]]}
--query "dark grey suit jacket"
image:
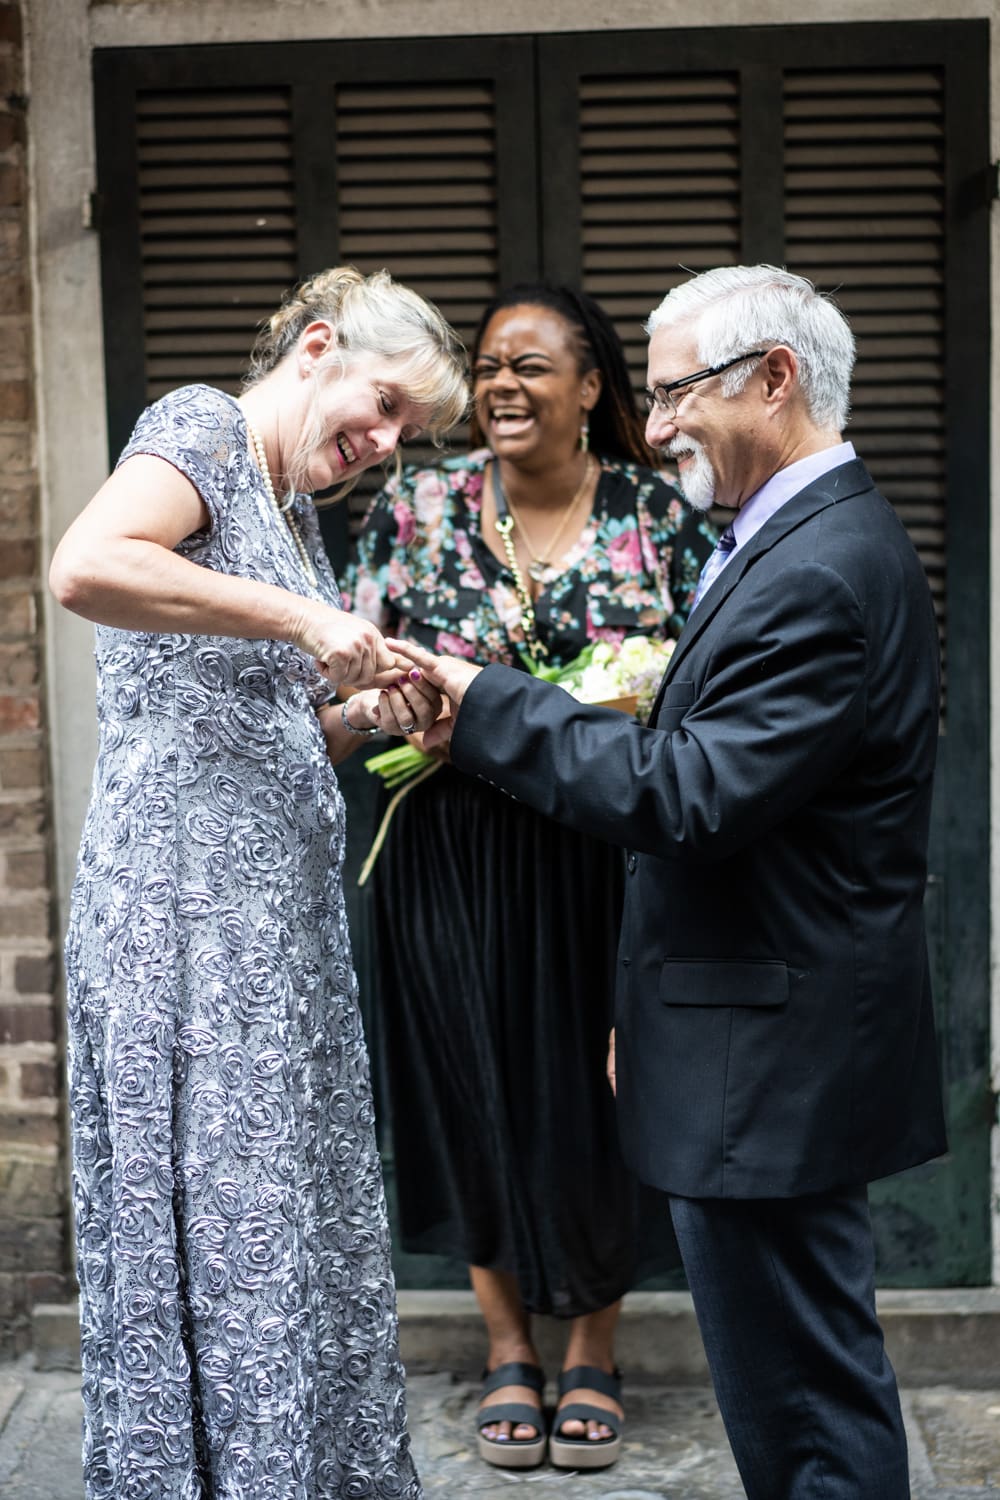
{"points": [[775, 1034]]}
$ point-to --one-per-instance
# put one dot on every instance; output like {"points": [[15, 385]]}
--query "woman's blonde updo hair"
{"points": [[373, 315]]}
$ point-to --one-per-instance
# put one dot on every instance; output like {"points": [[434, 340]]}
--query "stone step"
{"points": [[941, 1337], [55, 1335]]}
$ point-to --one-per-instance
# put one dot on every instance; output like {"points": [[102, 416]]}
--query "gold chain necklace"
{"points": [[257, 443], [536, 649], [504, 524], [539, 565]]}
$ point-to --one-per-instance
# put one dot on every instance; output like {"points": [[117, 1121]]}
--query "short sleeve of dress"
{"points": [[380, 554], [200, 431]]}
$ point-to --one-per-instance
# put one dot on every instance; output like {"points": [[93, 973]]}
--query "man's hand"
{"points": [[436, 740], [449, 673], [610, 1069]]}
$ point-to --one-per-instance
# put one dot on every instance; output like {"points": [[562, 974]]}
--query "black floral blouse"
{"points": [[423, 571]]}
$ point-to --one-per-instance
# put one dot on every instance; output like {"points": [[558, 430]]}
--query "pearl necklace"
{"points": [[257, 443]]}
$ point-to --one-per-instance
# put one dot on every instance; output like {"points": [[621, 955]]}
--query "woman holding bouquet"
{"points": [[497, 987]]}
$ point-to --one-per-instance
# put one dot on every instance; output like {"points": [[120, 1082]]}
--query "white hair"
{"points": [[738, 308]]}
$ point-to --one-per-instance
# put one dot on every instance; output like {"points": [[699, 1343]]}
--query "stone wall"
{"points": [[33, 1236]]}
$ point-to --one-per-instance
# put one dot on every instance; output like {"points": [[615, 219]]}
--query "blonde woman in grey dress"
{"points": [[239, 1331]]}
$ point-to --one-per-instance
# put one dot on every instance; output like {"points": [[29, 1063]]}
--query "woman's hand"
{"points": [[409, 706], [348, 650]]}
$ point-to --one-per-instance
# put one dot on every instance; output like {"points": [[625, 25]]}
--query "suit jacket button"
{"points": [[626, 962], [631, 863]]}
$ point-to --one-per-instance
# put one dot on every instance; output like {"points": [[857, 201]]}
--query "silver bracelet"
{"points": [[349, 726]]}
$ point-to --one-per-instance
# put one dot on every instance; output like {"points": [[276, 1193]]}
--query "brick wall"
{"points": [[33, 1236]]}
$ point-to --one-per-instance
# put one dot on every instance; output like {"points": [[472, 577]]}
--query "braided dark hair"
{"points": [[616, 428]]}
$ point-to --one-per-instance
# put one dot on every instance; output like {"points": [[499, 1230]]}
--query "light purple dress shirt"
{"points": [[781, 488]]}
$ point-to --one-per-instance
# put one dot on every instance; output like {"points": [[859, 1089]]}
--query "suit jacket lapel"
{"points": [[839, 484]]}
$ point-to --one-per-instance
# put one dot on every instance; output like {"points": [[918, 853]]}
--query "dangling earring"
{"points": [[585, 435]]}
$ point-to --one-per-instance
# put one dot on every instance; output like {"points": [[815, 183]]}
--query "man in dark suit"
{"points": [[775, 1038]]}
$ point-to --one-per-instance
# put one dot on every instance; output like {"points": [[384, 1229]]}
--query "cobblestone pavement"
{"points": [[675, 1447]]}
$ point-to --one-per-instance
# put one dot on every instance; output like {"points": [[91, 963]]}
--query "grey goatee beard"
{"points": [[698, 481]]}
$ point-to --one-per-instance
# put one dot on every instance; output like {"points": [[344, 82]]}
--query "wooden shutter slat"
{"points": [[422, 99], [195, 130], [874, 84], [462, 218], [430, 194], [182, 161], [365, 130], [618, 91], [852, 131]]}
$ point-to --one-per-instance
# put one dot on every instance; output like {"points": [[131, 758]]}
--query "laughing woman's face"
{"points": [[357, 419], [530, 395]]}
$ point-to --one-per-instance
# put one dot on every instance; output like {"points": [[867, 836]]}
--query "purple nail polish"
{"points": [[415, 675]]}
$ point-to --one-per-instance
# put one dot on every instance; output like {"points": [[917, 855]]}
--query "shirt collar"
{"points": [[783, 486]]}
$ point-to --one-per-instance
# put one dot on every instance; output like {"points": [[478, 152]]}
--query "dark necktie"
{"points": [[715, 564]]}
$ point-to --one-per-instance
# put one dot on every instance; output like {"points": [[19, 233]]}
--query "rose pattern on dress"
{"points": [[423, 570], [238, 1323]]}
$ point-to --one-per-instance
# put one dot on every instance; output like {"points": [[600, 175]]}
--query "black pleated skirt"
{"points": [[494, 948]]}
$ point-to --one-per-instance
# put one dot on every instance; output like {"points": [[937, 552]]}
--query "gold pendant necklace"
{"points": [[504, 524], [257, 443], [539, 565]]}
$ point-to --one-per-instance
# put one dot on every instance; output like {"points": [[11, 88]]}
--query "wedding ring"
{"points": [[407, 728]]}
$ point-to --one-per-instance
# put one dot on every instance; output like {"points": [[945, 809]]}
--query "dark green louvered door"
{"points": [[855, 154]]}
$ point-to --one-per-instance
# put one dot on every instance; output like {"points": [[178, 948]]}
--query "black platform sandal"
{"points": [[512, 1453], [586, 1452]]}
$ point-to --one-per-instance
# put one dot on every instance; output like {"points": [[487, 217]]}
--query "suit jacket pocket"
{"points": [[677, 699], [741, 981], [678, 694]]}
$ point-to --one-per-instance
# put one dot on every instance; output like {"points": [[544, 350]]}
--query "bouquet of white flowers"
{"points": [[624, 676]]}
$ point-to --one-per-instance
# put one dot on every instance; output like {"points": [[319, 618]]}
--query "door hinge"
{"points": [[90, 211]]}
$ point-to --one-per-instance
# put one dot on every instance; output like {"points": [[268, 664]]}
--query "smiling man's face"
{"points": [[710, 436]]}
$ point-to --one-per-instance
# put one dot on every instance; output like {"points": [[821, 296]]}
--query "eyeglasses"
{"points": [[663, 398]]}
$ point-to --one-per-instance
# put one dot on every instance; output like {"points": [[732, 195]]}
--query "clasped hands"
{"points": [[397, 686], [450, 677], [420, 700]]}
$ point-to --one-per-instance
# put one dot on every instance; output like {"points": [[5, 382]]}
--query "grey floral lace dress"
{"points": [[239, 1331]]}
